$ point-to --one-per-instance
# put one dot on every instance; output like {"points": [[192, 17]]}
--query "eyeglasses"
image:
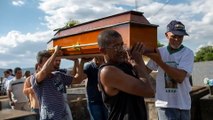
{"points": [[118, 47]]}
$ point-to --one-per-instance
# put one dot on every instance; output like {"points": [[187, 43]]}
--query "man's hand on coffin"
{"points": [[135, 53], [58, 50]]}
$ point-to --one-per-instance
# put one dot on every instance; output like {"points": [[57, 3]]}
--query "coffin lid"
{"points": [[131, 17]]}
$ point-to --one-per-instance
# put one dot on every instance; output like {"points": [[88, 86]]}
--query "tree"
{"points": [[204, 54]]}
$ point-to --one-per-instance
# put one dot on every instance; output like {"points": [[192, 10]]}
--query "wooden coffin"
{"points": [[81, 39]]}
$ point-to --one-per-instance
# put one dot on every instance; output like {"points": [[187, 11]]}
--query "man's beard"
{"points": [[57, 67]]}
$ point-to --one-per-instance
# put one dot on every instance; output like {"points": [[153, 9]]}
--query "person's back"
{"points": [[95, 103], [123, 105], [33, 100], [93, 93]]}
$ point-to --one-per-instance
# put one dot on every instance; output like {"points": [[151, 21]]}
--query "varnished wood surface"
{"points": [[132, 26], [105, 22]]}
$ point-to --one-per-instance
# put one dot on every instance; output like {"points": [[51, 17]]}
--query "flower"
{"points": [[208, 81]]}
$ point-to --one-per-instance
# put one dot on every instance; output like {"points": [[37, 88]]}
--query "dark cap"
{"points": [[177, 28]]}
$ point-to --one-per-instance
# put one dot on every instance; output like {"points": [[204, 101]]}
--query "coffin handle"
{"points": [[77, 46]]}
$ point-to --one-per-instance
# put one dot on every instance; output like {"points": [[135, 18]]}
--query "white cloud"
{"points": [[3, 50], [16, 47], [197, 15], [5, 64], [18, 2], [60, 11], [15, 38]]}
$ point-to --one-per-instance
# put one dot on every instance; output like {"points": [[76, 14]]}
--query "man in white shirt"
{"points": [[15, 92], [174, 64]]}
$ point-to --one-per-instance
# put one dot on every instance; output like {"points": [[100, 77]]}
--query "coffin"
{"points": [[81, 40]]}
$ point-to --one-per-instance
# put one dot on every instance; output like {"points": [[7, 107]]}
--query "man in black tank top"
{"points": [[123, 80]]}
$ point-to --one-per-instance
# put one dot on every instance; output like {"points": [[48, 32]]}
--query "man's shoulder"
{"points": [[110, 70], [162, 49], [21, 80], [13, 80], [188, 49]]}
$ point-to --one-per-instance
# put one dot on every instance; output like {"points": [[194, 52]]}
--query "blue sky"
{"points": [[23, 17], [27, 25]]}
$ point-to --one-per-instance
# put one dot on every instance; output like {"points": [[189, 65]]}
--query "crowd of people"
{"points": [[117, 82]]}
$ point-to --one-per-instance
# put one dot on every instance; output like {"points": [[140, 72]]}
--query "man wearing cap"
{"points": [[174, 64]]}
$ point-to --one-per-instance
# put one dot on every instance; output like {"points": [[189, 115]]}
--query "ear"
{"points": [[166, 34]]}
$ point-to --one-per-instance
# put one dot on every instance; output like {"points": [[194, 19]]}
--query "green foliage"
{"points": [[208, 56], [71, 23], [68, 24], [204, 54]]}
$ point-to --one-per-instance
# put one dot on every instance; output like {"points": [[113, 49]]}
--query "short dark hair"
{"points": [[42, 54], [106, 37], [10, 70], [27, 72], [7, 72], [17, 69]]}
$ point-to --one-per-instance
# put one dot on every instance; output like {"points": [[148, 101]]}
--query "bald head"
{"points": [[107, 37]]}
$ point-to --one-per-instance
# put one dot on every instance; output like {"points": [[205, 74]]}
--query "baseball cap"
{"points": [[177, 28]]}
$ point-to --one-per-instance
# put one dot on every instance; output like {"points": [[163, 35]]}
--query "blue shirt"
{"points": [[93, 94], [50, 95]]}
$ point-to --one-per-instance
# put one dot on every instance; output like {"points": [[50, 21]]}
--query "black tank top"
{"points": [[124, 106]]}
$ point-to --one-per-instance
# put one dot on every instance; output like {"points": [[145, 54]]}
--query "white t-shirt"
{"points": [[16, 86], [170, 94]]}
